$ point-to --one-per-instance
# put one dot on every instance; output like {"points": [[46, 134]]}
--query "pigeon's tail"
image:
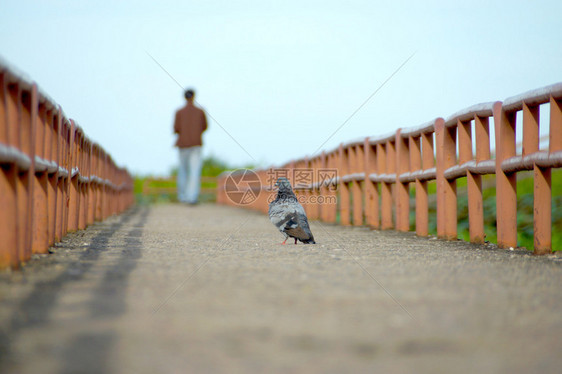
{"points": [[309, 241]]}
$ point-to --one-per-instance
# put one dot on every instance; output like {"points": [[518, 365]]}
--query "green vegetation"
{"points": [[525, 185], [163, 190], [212, 167]]}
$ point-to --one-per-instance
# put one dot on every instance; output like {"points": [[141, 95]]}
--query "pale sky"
{"points": [[279, 76]]}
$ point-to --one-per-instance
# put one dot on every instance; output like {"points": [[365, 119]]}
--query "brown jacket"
{"points": [[189, 124]]}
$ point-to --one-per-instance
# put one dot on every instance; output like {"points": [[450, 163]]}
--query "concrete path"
{"points": [[208, 289]]}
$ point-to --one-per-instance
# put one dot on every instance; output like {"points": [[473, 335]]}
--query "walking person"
{"points": [[190, 123]]}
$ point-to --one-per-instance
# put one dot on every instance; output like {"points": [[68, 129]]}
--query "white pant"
{"points": [[189, 174]]}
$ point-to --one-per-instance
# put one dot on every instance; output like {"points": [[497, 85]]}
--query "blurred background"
{"points": [[281, 80], [279, 77]]}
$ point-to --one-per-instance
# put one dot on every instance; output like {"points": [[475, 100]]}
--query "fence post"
{"points": [[82, 184], [39, 217], [344, 188], [506, 183], [371, 188], [320, 198], [385, 189], [543, 183], [322, 190], [303, 168], [422, 198], [388, 154], [66, 179], [73, 198], [476, 223], [99, 183], [52, 155], [91, 212], [402, 188], [23, 182], [358, 166], [8, 183], [473, 181], [97, 169], [106, 187], [29, 114], [59, 213], [333, 187], [112, 191], [313, 191], [421, 211], [446, 190], [555, 133]]}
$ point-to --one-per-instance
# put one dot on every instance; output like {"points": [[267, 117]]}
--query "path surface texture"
{"points": [[209, 289]]}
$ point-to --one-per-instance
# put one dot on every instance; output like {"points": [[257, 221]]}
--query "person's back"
{"points": [[190, 123]]}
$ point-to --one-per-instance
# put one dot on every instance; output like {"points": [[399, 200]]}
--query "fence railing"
{"points": [[374, 175], [53, 179]]}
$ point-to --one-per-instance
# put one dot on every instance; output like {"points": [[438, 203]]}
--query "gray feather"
{"points": [[288, 215]]}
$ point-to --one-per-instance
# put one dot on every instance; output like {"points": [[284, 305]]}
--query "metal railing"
{"points": [[53, 179], [374, 175]]}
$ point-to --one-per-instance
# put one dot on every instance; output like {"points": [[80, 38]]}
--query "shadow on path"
{"points": [[86, 349]]}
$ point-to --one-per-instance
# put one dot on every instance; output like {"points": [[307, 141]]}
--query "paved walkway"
{"points": [[208, 289]]}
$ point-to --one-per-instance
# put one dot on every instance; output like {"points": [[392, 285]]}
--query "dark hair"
{"points": [[189, 93]]}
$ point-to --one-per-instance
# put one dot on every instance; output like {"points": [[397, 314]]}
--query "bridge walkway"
{"points": [[178, 289]]}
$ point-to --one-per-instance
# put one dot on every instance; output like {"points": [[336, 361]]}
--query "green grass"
{"points": [[525, 186], [212, 167]]}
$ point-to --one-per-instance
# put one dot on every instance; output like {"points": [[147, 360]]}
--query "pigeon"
{"points": [[288, 215]]}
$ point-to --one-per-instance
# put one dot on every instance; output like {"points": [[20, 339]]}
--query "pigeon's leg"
{"points": [[295, 241], [284, 241]]}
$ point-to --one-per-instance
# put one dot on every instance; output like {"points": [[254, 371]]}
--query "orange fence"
{"points": [[53, 179], [372, 176]]}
